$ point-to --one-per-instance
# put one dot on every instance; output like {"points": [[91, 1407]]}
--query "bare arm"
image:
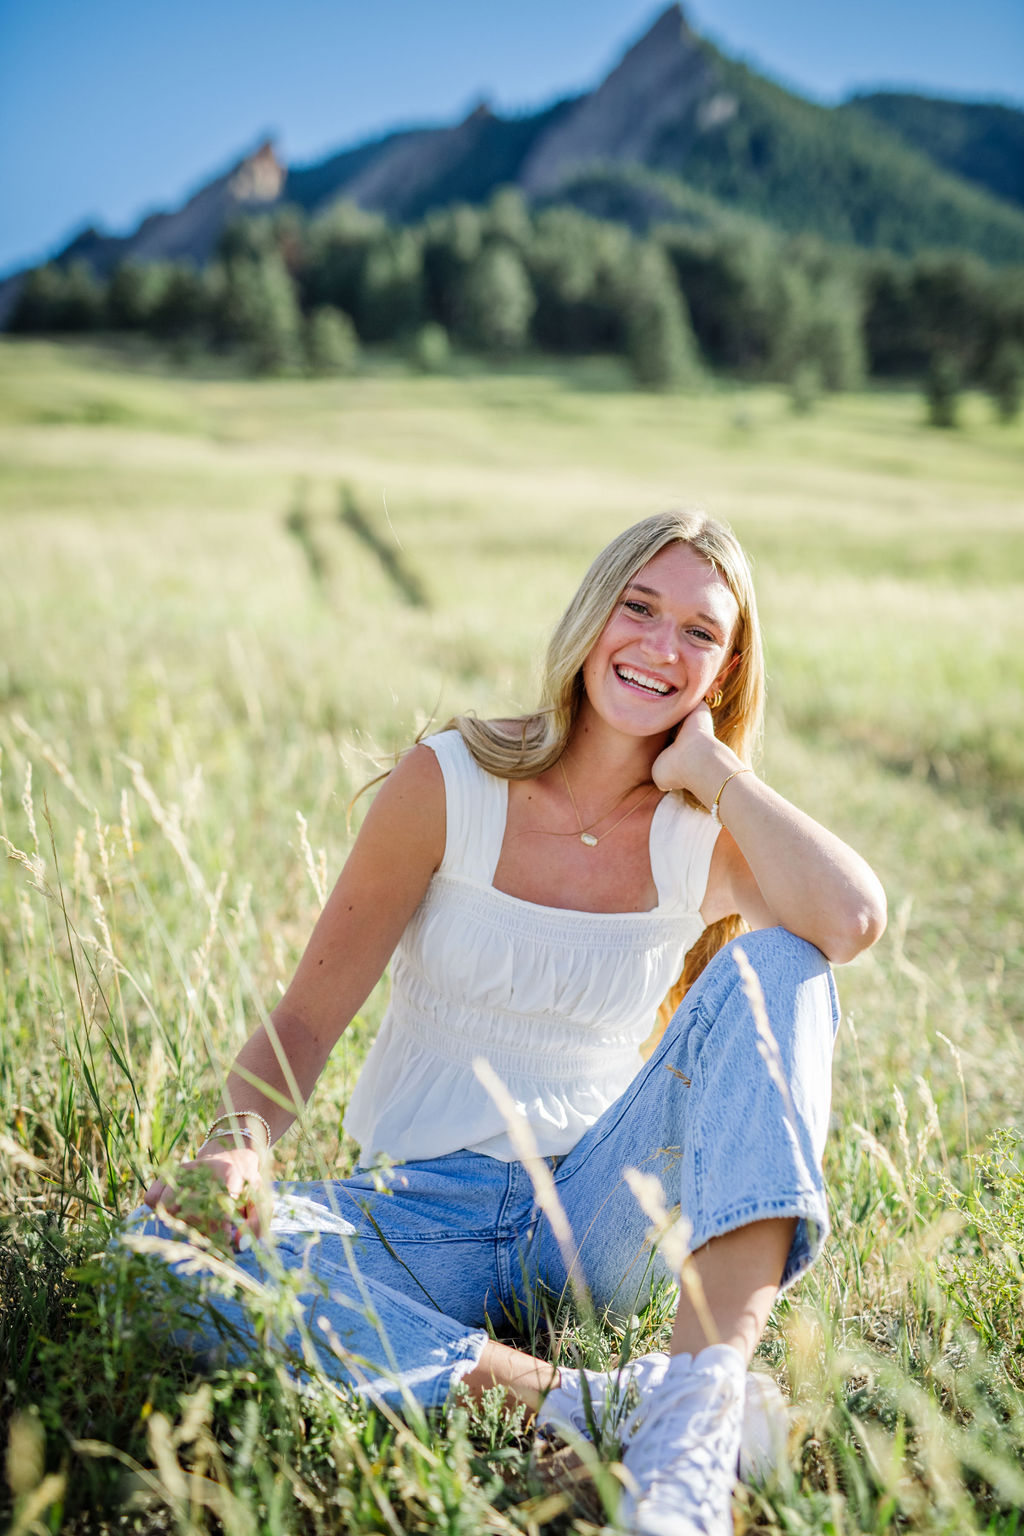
{"points": [[772, 863], [400, 845]]}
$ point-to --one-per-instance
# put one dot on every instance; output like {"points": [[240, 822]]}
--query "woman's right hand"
{"points": [[399, 847], [226, 1176]]}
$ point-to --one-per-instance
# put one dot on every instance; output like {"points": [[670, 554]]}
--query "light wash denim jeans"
{"points": [[400, 1274]]}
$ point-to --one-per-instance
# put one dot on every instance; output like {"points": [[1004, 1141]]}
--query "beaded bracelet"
{"points": [[241, 1114], [235, 1136]]}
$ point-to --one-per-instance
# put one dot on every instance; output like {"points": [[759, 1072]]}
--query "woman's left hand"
{"points": [[694, 757], [772, 863]]}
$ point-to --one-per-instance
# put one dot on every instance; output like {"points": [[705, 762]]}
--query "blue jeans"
{"points": [[399, 1274]]}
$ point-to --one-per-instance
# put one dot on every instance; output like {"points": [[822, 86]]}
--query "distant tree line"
{"points": [[293, 293]]}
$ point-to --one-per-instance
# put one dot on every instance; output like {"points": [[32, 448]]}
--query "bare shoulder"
{"points": [[408, 810], [416, 774], [399, 847]]}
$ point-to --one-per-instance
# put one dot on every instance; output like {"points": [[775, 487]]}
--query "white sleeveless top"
{"points": [[558, 1002]]}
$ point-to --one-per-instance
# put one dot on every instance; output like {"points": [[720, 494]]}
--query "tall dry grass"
{"points": [[188, 703]]}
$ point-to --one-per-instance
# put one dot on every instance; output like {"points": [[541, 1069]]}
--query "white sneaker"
{"points": [[764, 1438], [590, 1405], [682, 1456]]}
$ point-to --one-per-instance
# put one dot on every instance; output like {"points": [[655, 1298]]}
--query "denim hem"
{"points": [[467, 1355], [431, 1387], [808, 1239]]}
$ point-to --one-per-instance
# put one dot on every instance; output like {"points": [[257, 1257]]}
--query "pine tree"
{"points": [[508, 218], [259, 312], [659, 341], [834, 336], [38, 305], [451, 242], [332, 346], [496, 301], [134, 290], [431, 349], [389, 296], [336, 252], [819, 323], [579, 268], [942, 391], [740, 297], [1006, 380], [83, 303], [182, 308]]}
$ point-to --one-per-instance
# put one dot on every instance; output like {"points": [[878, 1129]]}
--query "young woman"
{"points": [[537, 885]]}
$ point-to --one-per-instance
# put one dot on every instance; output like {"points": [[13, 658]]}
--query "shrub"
{"points": [[1006, 380], [332, 346], [805, 387], [942, 391], [431, 348]]}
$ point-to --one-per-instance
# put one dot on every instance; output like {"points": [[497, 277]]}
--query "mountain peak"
{"points": [[664, 73], [481, 113], [663, 112], [192, 230], [668, 25], [259, 177]]}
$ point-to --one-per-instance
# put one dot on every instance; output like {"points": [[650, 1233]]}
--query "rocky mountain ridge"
{"points": [[674, 106], [255, 183]]}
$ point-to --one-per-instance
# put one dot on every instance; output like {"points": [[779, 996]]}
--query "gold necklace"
{"points": [[586, 836]]}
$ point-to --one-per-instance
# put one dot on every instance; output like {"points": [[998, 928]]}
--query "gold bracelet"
{"points": [[714, 806], [241, 1114], [239, 1131]]}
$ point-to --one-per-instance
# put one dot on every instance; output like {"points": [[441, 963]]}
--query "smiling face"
{"points": [[667, 643]]}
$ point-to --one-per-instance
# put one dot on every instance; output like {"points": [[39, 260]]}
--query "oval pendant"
{"points": [[589, 839]]}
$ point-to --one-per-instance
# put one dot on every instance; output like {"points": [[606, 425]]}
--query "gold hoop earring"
{"points": [[713, 700]]}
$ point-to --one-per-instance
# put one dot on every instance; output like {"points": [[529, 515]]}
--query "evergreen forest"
{"points": [[290, 293]]}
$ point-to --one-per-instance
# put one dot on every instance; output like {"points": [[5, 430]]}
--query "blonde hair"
{"points": [[523, 748]]}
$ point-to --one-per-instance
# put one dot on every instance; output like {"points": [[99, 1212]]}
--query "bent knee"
{"points": [[778, 946], [791, 974]]}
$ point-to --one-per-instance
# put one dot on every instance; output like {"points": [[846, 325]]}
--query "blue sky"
{"points": [[110, 108]]}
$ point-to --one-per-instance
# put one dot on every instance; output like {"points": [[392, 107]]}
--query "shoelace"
{"points": [[706, 1438], [613, 1407]]}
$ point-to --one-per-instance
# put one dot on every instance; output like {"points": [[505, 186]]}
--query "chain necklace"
{"points": [[586, 836]]}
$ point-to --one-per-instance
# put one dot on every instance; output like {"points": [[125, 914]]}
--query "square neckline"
{"points": [[541, 906]]}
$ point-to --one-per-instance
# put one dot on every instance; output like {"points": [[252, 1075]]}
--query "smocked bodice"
{"points": [[557, 1002]]}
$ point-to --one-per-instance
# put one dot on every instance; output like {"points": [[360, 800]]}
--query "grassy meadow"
{"points": [[200, 659]]}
